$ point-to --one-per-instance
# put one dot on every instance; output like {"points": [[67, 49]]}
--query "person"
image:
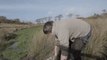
{"points": [[70, 35]]}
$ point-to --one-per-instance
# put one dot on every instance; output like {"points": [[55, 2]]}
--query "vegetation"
{"points": [[97, 46], [19, 49], [3, 19], [29, 43], [41, 46]]}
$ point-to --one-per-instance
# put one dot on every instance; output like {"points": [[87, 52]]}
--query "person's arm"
{"points": [[57, 50], [62, 39], [57, 53]]}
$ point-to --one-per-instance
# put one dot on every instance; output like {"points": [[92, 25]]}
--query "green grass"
{"points": [[32, 42], [40, 46], [21, 44]]}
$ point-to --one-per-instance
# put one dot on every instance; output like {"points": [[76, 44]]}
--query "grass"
{"points": [[31, 43], [97, 46], [20, 48], [41, 46]]}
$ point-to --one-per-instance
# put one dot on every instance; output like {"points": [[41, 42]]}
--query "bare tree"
{"points": [[55, 18], [58, 17], [70, 15], [42, 20], [49, 18], [3, 18], [104, 11], [38, 21], [45, 18], [77, 16], [17, 20]]}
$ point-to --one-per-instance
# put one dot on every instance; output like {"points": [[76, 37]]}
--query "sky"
{"points": [[30, 10]]}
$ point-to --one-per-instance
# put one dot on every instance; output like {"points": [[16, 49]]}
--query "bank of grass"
{"points": [[41, 46], [32, 44], [20, 48], [97, 46]]}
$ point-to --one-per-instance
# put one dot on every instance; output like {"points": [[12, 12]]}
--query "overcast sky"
{"points": [[33, 9]]}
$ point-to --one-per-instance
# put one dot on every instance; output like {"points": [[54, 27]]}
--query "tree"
{"points": [[38, 20], [58, 17], [70, 15], [45, 19], [17, 20], [55, 18], [49, 18], [104, 11], [77, 16], [3, 19], [96, 15]]}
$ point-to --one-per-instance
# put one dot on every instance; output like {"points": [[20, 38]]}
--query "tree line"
{"points": [[44, 19], [3, 19], [70, 15], [56, 18], [96, 15]]}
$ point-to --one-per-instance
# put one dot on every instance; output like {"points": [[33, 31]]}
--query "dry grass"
{"points": [[14, 26], [10, 28], [40, 46], [96, 48], [6, 31]]}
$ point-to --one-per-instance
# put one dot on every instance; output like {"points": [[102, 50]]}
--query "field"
{"points": [[97, 46], [31, 44], [9, 35]]}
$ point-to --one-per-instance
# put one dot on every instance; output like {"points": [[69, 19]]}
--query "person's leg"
{"points": [[69, 50], [63, 57], [76, 48], [64, 54], [77, 54]]}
